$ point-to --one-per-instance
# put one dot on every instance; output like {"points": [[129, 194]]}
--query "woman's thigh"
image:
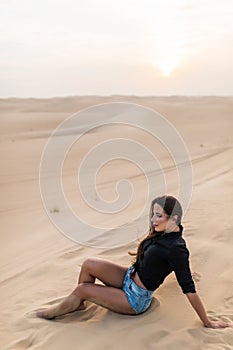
{"points": [[108, 272]]}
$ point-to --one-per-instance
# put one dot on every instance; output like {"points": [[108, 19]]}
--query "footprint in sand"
{"points": [[21, 344], [229, 302], [153, 339], [196, 276]]}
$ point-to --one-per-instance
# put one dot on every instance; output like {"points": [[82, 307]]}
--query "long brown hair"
{"points": [[171, 206]]}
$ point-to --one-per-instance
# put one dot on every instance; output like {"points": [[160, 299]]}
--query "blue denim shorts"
{"points": [[138, 298]]}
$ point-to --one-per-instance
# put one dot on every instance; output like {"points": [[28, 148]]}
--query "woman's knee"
{"points": [[89, 263]]}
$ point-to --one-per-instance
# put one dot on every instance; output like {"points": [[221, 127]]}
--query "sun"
{"points": [[168, 65], [168, 45], [169, 57]]}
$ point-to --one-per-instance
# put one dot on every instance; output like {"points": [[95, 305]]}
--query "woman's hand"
{"points": [[217, 324], [199, 308]]}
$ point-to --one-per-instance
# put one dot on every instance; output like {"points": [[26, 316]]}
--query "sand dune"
{"points": [[39, 265]]}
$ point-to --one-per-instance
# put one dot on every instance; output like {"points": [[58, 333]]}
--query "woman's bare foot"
{"points": [[69, 304], [49, 313]]}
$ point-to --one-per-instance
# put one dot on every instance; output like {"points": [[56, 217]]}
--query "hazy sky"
{"points": [[145, 47]]}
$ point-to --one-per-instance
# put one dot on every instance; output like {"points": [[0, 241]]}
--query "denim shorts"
{"points": [[138, 298]]}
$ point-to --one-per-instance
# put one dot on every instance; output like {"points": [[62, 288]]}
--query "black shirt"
{"points": [[162, 254]]}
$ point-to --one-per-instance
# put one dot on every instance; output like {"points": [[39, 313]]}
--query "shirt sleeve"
{"points": [[179, 261]]}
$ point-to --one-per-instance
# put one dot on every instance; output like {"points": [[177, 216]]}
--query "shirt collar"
{"points": [[170, 234]]}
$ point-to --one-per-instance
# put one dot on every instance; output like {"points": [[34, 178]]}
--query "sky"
{"points": [[132, 47]]}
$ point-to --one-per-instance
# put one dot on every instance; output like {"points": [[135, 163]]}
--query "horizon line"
{"points": [[110, 95]]}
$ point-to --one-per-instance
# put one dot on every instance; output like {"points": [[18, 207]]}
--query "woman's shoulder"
{"points": [[179, 246]]}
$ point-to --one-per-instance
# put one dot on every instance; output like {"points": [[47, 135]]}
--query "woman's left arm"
{"points": [[179, 261], [196, 303]]}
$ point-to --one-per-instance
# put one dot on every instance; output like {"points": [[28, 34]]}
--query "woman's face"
{"points": [[161, 221]]}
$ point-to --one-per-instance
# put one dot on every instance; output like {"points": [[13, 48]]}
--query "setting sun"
{"points": [[169, 57], [168, 65], [168, 44]]}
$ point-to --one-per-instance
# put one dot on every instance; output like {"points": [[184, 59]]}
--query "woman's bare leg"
{"points": [[111, 274], [109, 297], [108, 272]]}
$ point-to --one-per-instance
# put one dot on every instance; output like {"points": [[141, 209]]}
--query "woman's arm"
{"points": [[196, 303]]}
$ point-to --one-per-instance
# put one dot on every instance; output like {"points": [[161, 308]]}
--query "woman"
{"points": [[130, 290]]}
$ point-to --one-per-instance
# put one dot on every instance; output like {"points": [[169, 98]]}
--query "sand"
{"points": [[39, 265]]}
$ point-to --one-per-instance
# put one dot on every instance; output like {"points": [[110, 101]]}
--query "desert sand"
{"points": [[40, 265]]}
